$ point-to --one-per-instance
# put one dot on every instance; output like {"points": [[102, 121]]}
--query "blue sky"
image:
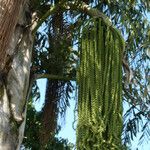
{"points": [[67, 131]]}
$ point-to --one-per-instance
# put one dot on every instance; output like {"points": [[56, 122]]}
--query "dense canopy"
{"points": [[62, 30]]}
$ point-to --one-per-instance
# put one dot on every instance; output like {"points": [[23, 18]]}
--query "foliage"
{"points": [[33, 125], [52, 55], [130, 16], [32, 134]]}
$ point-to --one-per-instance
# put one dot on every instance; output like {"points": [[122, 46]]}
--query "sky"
{"points": [[67, 130]]}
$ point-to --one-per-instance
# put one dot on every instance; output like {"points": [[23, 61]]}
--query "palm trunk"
{"points": [[49, 112], [14, 84]]}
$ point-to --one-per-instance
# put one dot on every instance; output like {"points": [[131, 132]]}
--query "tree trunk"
{"points": [[15, 82], [9, 13], [49, 112]]}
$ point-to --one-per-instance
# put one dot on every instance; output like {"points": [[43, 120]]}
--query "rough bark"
{"points": [[49, 112], [9, 13], [15, 80]]}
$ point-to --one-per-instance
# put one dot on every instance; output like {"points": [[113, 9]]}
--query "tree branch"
{"points": [[53, 77], [48, 76]]}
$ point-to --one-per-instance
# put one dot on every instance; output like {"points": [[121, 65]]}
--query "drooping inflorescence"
{"points": [[100, 87]]}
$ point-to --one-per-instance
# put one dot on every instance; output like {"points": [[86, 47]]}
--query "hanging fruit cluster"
{"points": [[100, 87]]}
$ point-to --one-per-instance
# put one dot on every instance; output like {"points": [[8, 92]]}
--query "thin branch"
{"points": [[53, 77], [133, 100], [48, 76]]}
